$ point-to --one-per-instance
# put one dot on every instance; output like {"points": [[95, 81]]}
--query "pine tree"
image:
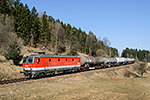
{"points": [[82, 41], [22, 21], [13, 52], [35, 27], [24, 28], [68, 29], [73, 41], [50, 18], [5, 7], [45, 29]]}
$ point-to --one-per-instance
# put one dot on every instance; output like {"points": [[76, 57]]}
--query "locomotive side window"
{"points": [[38, 60], [66, 59], [58, 59], [49, 59], [72, 59]]}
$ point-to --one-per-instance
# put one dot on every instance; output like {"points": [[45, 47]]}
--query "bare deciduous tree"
{"points": [[72, 42], [91, 38], [90, 42], [148, 58], [40, 14], [9, 43], [6, 31], [106, 41], [59, 33]]}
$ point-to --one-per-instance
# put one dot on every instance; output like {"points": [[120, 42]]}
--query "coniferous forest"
{"points": [[133, 53], [42, 30]]}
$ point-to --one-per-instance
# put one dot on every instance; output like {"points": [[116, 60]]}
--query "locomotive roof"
{"points": [[52, 56]]}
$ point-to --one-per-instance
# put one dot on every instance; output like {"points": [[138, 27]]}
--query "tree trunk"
{"points": [[69, 49], [70, 44], [31, 41], [89, 50], [141, 75], [56, 43]]}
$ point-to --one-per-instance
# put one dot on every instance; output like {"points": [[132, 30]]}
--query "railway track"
{"points": [[13, 81], [5, 82]]}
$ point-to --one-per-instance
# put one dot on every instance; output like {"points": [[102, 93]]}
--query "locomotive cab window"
{"points": [[30, 59], [58, 59], [24, 59], [72, 59], [38, 60], [78, 60], [49, 59], [66, 59]]}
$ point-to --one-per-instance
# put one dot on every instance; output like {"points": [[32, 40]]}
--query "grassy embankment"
{"points": [[91, 85]]}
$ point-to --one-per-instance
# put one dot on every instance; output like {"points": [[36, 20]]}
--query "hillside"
{"points": [[25, 50], [10, 71]]}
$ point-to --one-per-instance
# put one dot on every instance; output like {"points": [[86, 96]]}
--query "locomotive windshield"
{"points": [[28, 59]]}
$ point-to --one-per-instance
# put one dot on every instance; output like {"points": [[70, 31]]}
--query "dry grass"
{"points": [[28, 50], [81, 54], [8, 70], [93, 85]]}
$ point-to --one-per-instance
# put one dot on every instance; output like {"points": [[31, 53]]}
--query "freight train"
{"points": [[42, 65]]}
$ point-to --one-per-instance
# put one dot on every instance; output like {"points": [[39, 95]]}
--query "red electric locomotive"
{"points": [[41, 65]]}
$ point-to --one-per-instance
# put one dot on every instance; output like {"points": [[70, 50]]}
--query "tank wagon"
{"points": [[120, 61], [100, 62], [132, 60], [87, 62], [41, 65], [112, 62]]}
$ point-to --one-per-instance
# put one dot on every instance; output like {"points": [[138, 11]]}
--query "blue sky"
{"points": [[126, 23]]}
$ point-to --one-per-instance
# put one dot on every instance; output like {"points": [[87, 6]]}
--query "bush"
{"points": [[61, 48], [141, 68], [127, 74], [101, 53], [13, 52]]}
